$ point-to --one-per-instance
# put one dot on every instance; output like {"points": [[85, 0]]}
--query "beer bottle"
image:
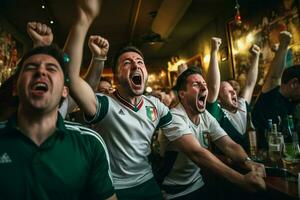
{"points": [[286, 130], [252, 136], [295, 138]]}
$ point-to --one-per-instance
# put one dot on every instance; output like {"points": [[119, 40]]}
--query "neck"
{"points": [[37, 127], [133, 99], [193, 116]]}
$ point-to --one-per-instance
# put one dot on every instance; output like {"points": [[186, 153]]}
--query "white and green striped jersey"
{"points": [[185, 172], [127, 131]]}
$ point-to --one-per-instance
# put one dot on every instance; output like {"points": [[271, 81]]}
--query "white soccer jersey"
{"points": [[184, 171], [239, 118], [127, 131]]}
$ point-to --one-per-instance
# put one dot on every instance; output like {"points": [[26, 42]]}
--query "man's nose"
{"points": [[41, 70]]}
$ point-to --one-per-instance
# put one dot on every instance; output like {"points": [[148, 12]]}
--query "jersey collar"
{"points": [[135, 108], [60, 125]]}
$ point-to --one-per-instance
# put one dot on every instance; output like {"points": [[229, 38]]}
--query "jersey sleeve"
{"points": [[215, 130], [102, 109], [100, 185], [164, 114]]}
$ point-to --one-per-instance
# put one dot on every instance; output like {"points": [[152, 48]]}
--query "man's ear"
{"points": [[181, 94]]}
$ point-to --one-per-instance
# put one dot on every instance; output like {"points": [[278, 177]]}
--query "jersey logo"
{"points": [[4, 158], [151, 113], [121, 112]]}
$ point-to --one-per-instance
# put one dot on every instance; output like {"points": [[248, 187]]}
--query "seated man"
{"points": [[185, 145], [231, 110], [41, 156]]}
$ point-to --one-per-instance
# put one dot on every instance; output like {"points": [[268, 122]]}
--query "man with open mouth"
{"points": [[186, 141], [41, 155], [126, 119], [223, 102]]}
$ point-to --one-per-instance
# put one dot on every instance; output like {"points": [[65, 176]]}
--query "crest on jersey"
{"points": [[151, 113]]}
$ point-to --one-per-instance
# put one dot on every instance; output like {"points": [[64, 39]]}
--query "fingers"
{"points": [[41, 29], [215, 43], [255, 49], [285, 38], [99, 41], [98, 45]]}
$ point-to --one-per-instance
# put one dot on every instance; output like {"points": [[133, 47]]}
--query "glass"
{"points": [[275, 149], [291, 157]]}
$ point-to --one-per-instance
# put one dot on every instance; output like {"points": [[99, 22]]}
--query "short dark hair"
{"points": [[181, 79], [122, 51], [52, 50], [290, 73], [106, 79]]}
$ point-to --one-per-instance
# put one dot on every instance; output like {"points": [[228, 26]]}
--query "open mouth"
{"points": [[137, 79], [40, 87], [201, 98]]}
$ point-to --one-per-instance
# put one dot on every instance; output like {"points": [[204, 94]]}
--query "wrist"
{"points": [[100, 58]]}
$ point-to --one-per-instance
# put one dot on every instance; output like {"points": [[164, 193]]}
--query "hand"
{"points": [[88, 10], [258, 168], [285, 39], [41, 34], [253, 182], [98, 46], [215, 43], [255, 50]]}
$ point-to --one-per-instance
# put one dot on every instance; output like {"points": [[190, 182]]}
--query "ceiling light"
{"points": [[43, 6], [51, 22]]}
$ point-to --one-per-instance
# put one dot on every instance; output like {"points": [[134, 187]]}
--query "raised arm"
{"points": [[252, 74], [278, 64], [99, 48], [213, 73], [204, 158], [40, 34], [82, 93]]}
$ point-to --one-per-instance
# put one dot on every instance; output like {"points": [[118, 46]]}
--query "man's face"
{"points": [[132, 73], [40, 84], [227, 96], [104, 87], [195, 94]]}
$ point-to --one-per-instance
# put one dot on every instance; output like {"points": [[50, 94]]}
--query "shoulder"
{"points": [[83, 132]]}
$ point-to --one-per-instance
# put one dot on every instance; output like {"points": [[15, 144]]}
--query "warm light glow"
{"points": [[43, 7], [240, 44], [206, 58], [234, 51], [174, 67], [148, 89], [151, 77], [162, 74], [51, 22], [250, 38]]}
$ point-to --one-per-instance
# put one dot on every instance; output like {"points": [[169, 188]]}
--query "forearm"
{"points": [[235, 152], [275, 70], [79, 89], [94, 73], [251, 79], [211, 162], [213, 77]]}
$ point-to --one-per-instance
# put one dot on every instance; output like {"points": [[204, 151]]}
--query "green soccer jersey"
{"points": [[71, 164], [127, 131]]}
